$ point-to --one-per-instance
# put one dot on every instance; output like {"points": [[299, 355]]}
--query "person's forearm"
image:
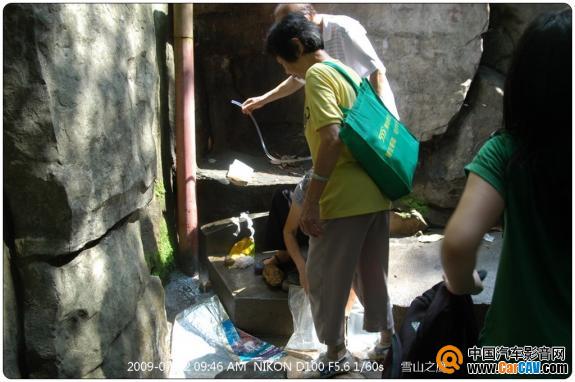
{"points": [[377, 79], [459, 259], [286, 88], [292, 247], [479, 209]]}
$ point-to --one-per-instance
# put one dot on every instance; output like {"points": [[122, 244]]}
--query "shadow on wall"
{"points": [[231, 64], [96, 124]]}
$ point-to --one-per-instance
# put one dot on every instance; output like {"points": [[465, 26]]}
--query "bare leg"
{"points": [[350, 302]]}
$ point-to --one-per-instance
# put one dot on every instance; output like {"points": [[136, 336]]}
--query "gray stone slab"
{"points": [[253, 306], [415, 267]]}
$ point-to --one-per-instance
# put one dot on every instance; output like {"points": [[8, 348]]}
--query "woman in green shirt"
{"points": [[524, 173]]}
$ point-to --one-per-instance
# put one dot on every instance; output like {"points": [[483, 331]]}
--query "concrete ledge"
{"points": [[225, 199], [251, 304]]}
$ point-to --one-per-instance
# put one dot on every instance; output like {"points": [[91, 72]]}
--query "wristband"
{"points": [[318, 177]]}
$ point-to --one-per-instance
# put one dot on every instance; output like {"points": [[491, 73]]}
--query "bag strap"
{"points": [[343, 73]]}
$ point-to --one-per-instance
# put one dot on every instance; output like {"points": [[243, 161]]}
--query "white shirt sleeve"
{"points": [[346, 39], [300, 80], [361, 50]]}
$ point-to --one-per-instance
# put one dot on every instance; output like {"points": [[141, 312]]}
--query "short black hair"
{"points": [[294, 25]]}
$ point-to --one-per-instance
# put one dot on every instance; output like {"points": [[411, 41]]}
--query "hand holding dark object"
{"points": [[475, 285]]}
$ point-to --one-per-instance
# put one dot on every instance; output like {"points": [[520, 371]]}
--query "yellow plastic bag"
{"points": [[246, 246]]}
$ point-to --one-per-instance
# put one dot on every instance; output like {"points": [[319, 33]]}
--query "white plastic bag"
{"points": [[205, 342], [304, 337], [359, 341], [199, 339]]}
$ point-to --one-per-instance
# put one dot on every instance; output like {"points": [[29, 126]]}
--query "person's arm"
{"points": [[478, 210], [286, 88], [328, 153], [376, 78], [290, 239]]}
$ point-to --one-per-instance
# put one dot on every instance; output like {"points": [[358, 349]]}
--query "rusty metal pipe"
{"points": [[185, 138]]}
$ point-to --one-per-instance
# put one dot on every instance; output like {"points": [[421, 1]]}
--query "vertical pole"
{"points": [[185, 137]]}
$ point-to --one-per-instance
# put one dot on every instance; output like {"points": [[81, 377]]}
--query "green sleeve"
{"points": [[491, 161]]}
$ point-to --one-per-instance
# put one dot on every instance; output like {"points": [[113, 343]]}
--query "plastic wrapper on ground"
{"points": [[359, 342], [205, 342]]}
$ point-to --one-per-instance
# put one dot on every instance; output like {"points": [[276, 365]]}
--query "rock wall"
{"points": [[508, 21], [76, 97], [440, 177], [83, 112], [431, 53], [11, 331]]}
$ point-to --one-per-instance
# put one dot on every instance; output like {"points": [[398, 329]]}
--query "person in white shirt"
{"points": [[344, 39]]}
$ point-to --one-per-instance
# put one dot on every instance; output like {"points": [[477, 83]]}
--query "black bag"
{"points": [[435, 319]]}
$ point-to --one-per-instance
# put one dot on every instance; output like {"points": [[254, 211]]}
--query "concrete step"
{"points": [[252, 305], [414, 267], [218, 198]]}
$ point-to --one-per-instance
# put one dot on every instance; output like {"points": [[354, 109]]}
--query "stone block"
{"points": [[406, 223], [142, 350], [80, 102], [441, 173], [74, 311]]}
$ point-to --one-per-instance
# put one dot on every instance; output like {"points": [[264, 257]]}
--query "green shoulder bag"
{"points": [[381, 144]]}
